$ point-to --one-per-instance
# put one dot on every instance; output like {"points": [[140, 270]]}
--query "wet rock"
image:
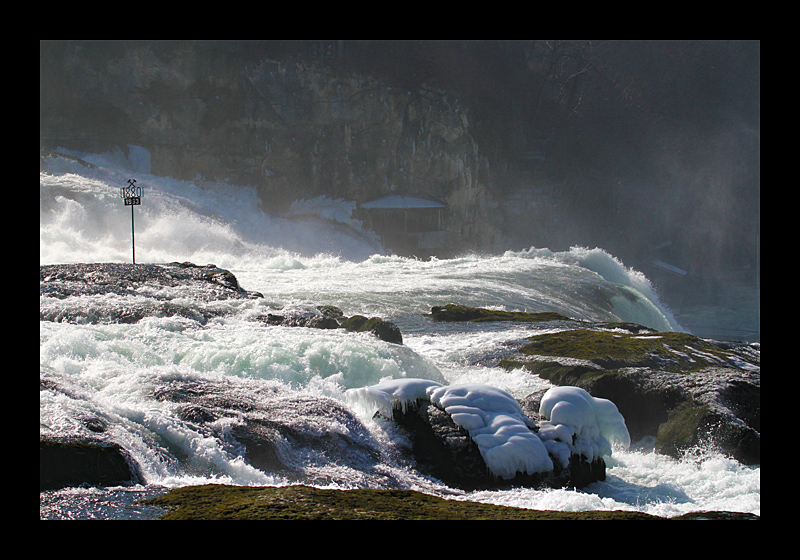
{"points": [[461, 313], [78, 463], [152, 290], [206, 283], [385, 330], [312, 440], [310, 320], [331, 317], [685, 390], [178, 289], [331, 311]]}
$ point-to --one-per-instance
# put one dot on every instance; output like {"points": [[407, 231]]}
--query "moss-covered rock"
{"points": [[678, 387], [683, 428], [668, 351], [385, 330], [303, 502], [456, 313]]}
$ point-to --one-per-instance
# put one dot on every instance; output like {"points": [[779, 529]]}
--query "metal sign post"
{"points": [[133, 197]]}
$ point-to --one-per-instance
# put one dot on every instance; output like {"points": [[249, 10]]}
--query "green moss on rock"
{"points": [[680, 431], [461, 313], [303, 502], [558, 374], [669, 351], [649, 377], [385, 330]]}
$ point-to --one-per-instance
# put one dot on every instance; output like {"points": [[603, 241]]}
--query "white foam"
{"points": [[638, 302], [177, 220]]}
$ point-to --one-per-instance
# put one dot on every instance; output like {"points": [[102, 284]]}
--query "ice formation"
{"points": [[575, 421], [498, 425], [381, 398]]}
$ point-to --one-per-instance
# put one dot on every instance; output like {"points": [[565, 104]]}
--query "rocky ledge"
{"points": [[200, 282], [147, 290], [302, 502], [681, 389], [271, 433], [178, 289], [456, 313]]}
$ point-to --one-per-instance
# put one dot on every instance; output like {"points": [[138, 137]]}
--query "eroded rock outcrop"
{"points": [[308, 439], [173, 290], [151, 290], [684, 390]]}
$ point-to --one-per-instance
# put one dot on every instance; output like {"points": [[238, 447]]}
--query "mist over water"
{"points": [[109, 372], [82, 219]]}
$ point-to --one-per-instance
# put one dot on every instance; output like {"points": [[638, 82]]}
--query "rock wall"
{"points": [[292, 126]]}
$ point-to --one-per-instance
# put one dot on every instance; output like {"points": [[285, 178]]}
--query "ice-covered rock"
{"points": [[474, 435]]}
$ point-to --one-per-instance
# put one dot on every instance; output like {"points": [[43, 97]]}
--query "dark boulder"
{"points": [[77, 463], [461, 313], [331, 311], [310, 320], [331, 317], [385, 330]]}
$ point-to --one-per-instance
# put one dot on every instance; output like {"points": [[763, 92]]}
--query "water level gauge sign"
{"points": [[132, 195]]}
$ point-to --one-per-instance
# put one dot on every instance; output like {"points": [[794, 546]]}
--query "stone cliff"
{"points": [[527, 142], [293, 126]]}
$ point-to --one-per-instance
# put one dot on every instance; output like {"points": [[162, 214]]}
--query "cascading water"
{"points": [[108, 375]]}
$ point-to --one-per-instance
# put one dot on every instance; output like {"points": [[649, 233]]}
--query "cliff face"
{"points": [[293, 127]]}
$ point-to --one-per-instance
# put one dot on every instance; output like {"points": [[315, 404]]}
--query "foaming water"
{"points": [[82, 219], [651, 483], [101, 380]]}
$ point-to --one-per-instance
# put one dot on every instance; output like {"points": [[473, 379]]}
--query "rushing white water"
{"points": [[108, 372]]}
